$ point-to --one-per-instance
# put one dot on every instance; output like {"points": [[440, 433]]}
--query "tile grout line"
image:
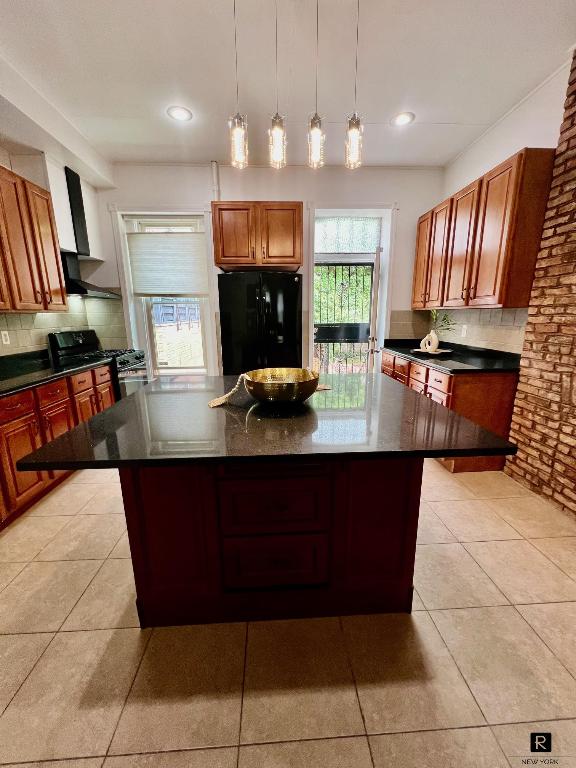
{"points": [[549, 558], [525, 620], [242, 693], [123, 707], [353, 675], [24, 563]]}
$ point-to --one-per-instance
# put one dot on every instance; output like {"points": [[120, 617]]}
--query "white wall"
{"points": [[534, 122], [183, 187]]}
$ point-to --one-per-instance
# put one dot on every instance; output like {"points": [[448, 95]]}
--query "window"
{"points": [[169, 276]]}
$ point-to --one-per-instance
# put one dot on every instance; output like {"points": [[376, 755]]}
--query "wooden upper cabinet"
{"points": [[19, 262], [440, 230], [234, 231], [497, 202], [461, 245], [484, 240], [421, 261], [280, 234], [47, 248], [257, 234]]}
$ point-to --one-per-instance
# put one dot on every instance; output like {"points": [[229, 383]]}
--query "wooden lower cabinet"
{"points": [[485, 398], [33, 417], [17, 439]]}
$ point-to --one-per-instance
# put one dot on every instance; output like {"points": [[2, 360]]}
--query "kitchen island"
{"points": [[247, 512]]}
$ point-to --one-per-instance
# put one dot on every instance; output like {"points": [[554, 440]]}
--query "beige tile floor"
{"points": [[487, 656]]}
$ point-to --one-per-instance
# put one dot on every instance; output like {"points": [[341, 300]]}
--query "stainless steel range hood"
{"points": [[73, 279]]}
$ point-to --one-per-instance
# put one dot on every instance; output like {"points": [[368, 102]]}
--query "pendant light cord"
{"points": [[356, 65], [236, 59], [317, 45], [276, 56]]}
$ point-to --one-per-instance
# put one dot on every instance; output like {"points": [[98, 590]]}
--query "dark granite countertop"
{"points": [[462, 359], [169, 421], [36, 370]]}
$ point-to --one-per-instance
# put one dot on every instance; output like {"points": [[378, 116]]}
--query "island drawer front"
{"points": [[80, 382], [439, 397], [53, 392], [274, 561], [441, 381], [401, 367], [418, 372], [400, 377], [274, 506], [417, 386], [387, 361], [14, 406], [101, 374]]}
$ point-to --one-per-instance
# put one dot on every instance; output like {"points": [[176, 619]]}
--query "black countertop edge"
{"points": [[464, 359], [431, 453], [11, 386]]}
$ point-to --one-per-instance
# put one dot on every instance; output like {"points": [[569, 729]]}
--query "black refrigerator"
{"points": [[260, 320]]}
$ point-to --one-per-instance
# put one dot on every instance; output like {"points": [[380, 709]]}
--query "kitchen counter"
{"points": [[242, 513], [462, 359], [169, 421], [37, 371]]}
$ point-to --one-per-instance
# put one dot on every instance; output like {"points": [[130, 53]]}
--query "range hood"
{"points": [[74, 283], [72, 277]]}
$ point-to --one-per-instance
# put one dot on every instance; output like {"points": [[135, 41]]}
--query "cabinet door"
{"points": [[85, 404], [105, 396], [56, 420], [421, 261], [280, 228], [17, 439], [461, 247], [497, 202], [234, 232], [47, 248], [438, 249], [17, 247]]}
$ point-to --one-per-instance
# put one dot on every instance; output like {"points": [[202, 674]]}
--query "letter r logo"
{"points": [[540, 742]]}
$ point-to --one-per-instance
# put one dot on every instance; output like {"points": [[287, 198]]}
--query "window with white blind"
{"points": [[170, 285]]}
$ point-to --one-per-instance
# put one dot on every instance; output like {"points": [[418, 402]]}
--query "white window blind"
{"points": [[347, 234], [168, 263]]}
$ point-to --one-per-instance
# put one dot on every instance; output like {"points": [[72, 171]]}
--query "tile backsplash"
{"points": [[501, 329], [28, 331]]}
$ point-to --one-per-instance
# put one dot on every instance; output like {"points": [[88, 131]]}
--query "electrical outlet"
{"points": [[464, 331], [5, 337]]}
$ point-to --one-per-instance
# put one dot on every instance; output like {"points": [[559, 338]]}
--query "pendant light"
{"points": [[315, 133], [353, 147], [277, 131], [238, 125]]}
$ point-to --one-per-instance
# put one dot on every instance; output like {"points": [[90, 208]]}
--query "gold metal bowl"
{"points": [[281, 385]]}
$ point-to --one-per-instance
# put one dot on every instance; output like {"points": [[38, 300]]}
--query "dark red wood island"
{"points": [[245, 512]]}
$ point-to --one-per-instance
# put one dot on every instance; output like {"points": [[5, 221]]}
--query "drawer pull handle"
{"points": [[13, 407], [438, 381]]}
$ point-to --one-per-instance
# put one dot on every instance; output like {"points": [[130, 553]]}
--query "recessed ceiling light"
{"points": [[179, 113], [404, 118]]}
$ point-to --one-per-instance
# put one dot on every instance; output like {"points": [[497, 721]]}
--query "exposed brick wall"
{"points": [[544, 420]]}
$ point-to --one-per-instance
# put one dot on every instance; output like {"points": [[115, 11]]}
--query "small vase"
{"points": [[430, 342]]}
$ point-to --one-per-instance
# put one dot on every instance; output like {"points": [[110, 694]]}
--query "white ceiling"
{"points": [[113, 66]]}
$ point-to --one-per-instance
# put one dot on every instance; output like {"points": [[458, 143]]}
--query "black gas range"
{"points": [[70, 348]]}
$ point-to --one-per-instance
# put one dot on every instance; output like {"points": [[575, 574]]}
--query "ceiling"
{"points": [[111, 67]]}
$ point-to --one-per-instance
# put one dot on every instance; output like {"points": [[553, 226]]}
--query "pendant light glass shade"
{"points": [[315, 142], [353, 149], [238, 141], [277, 142]]}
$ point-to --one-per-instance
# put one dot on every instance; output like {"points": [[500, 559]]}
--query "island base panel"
{"points": [[237, 541]]}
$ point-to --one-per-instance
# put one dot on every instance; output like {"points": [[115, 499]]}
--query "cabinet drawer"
{"points": [[439, 397], [80, 382], [274, 561], [441, 381], [401, 366], [53, 392], [417, 386], [418, 372], [400, 377], [387, 361], [14, 406], [102, 374], [274, 506]]}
